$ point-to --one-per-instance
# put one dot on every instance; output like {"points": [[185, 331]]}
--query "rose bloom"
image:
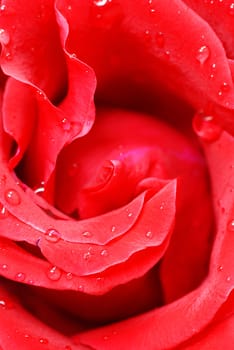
{"points": [[116, 174]]}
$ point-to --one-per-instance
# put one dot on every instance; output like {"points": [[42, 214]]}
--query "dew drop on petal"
{"points": [[40, 188], [147, 35], [220, 268], [228, 279], [43, 341], [203, 54], [113, 228], [69, 276], [6, 304], [149, 234], [223, 89], [231, 9], [12, 197], [206, 127], [162, 206], [54, 273], [3, 8], [8, 56], [20, 277], [87, 256], [3, 212], [27, 336], [87, 234], [100, 3], [66, 125], [4, 37], [104, 252], [230, 225], [41, 95], [52, 235], [160, 40], [4, 267], [80, 288]]}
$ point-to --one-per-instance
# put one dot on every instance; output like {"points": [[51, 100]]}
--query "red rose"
{"points": [[117, 217]]}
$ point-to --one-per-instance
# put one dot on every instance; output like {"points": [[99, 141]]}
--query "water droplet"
{"points": [[4, 37], [3, 304], [231, 9], [30, 282], [6, 304], [40, 188], [69, 276], [27, 336], [105, 337], [73, 56], [100, 2], [162, 205], [52, 235], [231, 225], [66, 125], [87, 234], [12, 197], [104, 252], [220, 268], [147, 35], [228, 279], [113, 228], [129, 213], [87, 256], [3, 212], [203, 54], [43, 341], [20, 277], [3, 8], [149, 234], [8, 56], [4, 267], [223, 88], [206, 127], [160, 40], [41, 95], [167, 54], [54, 273], [69, 7], [80, 288]]}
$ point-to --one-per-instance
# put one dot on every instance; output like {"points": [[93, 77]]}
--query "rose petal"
{"points": [[23, 329], [151, 50], [161, 328], [210, 11], [18, 265], [152, 228], [106, 226], [18, 117], [32, 53]]}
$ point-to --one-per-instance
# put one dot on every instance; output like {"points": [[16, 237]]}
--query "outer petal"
{"points": [[154, 52], [21, 328], [54, 75], [26, 55]]}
